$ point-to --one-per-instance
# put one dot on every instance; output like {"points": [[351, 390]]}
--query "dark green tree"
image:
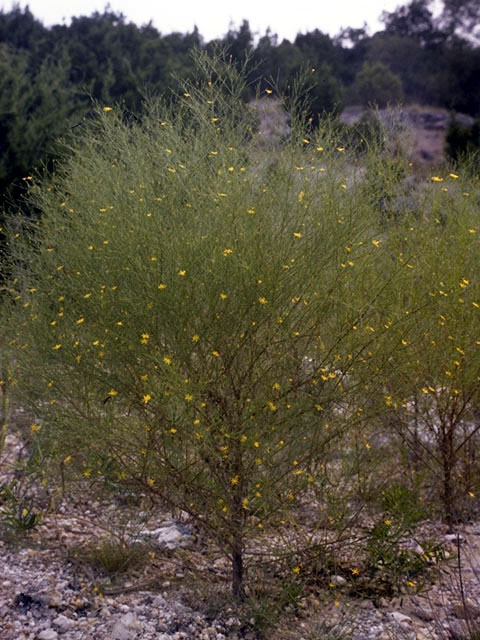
{"points": [[35, 108], [375, 84]]}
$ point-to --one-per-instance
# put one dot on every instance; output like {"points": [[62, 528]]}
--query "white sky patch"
{"points": [[213, 17]]}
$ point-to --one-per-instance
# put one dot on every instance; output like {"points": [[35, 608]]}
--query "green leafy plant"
{"points": [[18, 512], [111, 555], [394, 568], [404, 504]]}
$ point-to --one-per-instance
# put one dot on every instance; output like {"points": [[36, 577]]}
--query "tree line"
{"points": [[49, 76]]}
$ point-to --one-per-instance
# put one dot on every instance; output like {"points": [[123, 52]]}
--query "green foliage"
{"points": [[35, 106], [182, 312], [111, 555], [51, 75], [265, 606], [462, 140], [326, 93], [404, 504], [376, 85], [18, 512], [392, 567], [210, 329]]}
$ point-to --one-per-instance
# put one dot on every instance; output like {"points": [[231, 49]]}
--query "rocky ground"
{"points": [[421, 129], [46, 595], [56, 583]]}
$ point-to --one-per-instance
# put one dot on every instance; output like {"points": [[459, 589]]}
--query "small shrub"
{"points": [[376, 85], [462, 140], [18, 511], [111, 556], [392, 566]]}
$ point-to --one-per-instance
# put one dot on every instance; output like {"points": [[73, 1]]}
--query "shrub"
{"points": [[462, 139], [376, 85], [185, 308], [208, 327]]}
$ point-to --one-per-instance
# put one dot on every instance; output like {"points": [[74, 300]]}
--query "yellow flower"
{"points": [[112, 393], [188, 397], [106, 109], [146, 398], [453, 175], [215, 353], [296, 570], [227, 252], [223, 296], [162, 286], [388, 522], [57, 347], [262, 300], [35, 427], [437, 179], [195, 337], [182, 272], [235, 480], [297, 234], [167, 360], [268, 91], [355, 571], [245, 503]]}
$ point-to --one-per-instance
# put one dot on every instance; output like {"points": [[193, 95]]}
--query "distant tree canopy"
{"points": [[376, 84], [49, 76]]}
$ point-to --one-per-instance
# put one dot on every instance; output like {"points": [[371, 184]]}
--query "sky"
{"points": [[214, 17]]}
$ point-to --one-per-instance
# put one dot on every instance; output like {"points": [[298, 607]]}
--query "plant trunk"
{"points": [[448, 462], [5, 412], [237, 571]]}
